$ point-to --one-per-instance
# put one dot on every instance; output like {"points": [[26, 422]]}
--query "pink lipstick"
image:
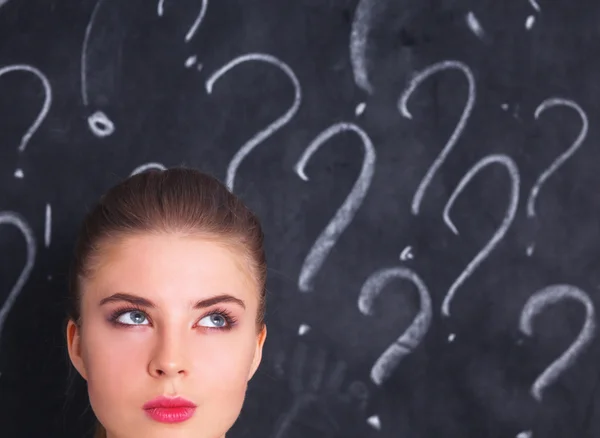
{"points": [[169, 409]]}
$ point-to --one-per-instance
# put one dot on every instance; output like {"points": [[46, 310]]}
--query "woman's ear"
{"points": [[74, 348], [260, 342]]}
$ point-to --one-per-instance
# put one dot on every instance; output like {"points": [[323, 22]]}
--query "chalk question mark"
{"points": [[539, 301], [45, 106], [412, 336], [191, 31], [343, 217], [273, 127], [560, 160], [402, 107], [98, 122], [511, 210], [15, 219]]}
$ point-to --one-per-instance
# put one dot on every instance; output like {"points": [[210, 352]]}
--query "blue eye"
{"points": [[216, 320], [132, 317]]}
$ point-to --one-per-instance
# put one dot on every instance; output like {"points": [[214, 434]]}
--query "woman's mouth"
{"points": [[169, 410]]}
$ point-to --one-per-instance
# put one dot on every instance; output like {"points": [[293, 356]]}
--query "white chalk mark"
{"points": [[413, 335], [525, 434], [374, 422], [360, 108], [3, 2], [198, 21], [513, 172], [504, 106], [406, 254], [191, 61], [147, 166], [329, 236], [534, 4], [273, 127], [474, 25], [539, 301], [531, 19], [47, 99], [358, 44], [402, 102], [48, 226], [529, 22], [12, 218], [303, 329], [19, 173], [86, 40], [530, 249], [451, 337], [100, 124], [546, 104], [49, 277]]}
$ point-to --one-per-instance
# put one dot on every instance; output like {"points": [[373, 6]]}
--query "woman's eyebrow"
{"points": [[144, 302]]}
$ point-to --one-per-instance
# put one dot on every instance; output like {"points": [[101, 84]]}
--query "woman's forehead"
{"points": [[171, 265]]}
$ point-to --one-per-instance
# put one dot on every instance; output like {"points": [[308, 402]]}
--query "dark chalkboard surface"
{"points": [[427, 176]]}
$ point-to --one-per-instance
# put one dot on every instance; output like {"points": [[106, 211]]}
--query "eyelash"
{"points": [[230, 320]]}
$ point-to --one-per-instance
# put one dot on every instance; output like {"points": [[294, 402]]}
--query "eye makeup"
{"points": [[228, 317]]}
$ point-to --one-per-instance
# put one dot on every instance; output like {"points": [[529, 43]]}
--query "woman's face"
{"points": [[167, 315]]}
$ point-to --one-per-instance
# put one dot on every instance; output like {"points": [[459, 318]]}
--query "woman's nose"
{"points": [[169, 358]]}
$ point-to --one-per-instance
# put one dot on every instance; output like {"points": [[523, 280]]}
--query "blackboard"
{"points": [[426, 174]]}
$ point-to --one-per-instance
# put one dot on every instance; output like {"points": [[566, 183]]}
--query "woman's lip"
{"points": [[169, 402], [171, 415]]}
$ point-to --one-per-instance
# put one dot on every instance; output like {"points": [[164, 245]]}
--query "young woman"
{"points": [[167, 303]]}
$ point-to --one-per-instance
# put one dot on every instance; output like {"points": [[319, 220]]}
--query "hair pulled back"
{"points": [[176, 200]]}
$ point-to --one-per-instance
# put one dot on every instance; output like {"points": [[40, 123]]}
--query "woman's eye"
{"points": [[134, 317], [213, 320]]}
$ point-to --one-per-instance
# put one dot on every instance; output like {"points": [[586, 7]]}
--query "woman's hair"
{"points": [[176, 200]]}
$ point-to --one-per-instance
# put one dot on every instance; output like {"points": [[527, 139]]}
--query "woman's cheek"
{"points": [[111, 352], [226, 358]]}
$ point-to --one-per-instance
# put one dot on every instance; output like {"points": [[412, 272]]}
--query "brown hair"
{"points": [[160, 201]]}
